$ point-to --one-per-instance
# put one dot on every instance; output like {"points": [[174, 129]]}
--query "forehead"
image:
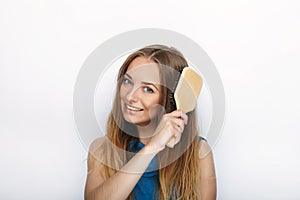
{"points": [[144, 70]]}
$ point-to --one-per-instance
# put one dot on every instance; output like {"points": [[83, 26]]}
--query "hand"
{"points": [[171, 125]]}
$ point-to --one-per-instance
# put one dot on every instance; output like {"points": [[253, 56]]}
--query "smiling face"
{"points": [[140, 91]]}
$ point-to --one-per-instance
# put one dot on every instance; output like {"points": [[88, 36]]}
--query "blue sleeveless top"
{"points": [[148, 185]]}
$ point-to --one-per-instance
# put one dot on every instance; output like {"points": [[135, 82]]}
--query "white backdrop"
{"points": [[254, 44]]}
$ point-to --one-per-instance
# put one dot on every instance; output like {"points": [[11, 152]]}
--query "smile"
{"points": [[133, 108]]}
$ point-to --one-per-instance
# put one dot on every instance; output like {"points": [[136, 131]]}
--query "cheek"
{"points": [[152, 102], [155, 111], [122, 92]]}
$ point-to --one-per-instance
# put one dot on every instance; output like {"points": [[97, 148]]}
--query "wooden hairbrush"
{"points": [[186, 93]]}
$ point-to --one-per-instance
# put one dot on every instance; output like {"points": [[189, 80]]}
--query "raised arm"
{"points": [[121, 184]]}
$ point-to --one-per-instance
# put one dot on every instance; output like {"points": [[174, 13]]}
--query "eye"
{"points": [[126, 81], [148, 90]]}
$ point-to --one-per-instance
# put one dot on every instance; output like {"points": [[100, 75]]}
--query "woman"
{"points": [[133, 160]]}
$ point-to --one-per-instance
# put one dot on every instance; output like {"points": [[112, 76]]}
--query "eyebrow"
{"points": [[145, 83], [128, 76]]}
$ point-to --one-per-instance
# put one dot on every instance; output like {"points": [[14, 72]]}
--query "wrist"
{"points": [[149, 149]]}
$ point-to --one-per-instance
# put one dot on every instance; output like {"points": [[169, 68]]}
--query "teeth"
{"points": [[133, 108]]}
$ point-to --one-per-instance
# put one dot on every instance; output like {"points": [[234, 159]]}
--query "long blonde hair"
{"points": [[180, 179]]}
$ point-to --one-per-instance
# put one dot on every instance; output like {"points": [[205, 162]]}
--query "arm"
{"points": [[208, 185], [120, 185]]}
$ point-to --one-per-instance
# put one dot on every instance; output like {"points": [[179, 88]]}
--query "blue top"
{"points": [[148, 185]]}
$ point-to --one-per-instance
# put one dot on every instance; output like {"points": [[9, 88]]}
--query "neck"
{"points": [[146, 133]]}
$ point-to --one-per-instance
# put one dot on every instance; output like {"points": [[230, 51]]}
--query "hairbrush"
{"points": [[186, 93]]}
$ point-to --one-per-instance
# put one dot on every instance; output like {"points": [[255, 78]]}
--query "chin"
{"points": [[137, 122]]}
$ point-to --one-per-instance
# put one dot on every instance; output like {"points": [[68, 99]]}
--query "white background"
{"points": [[254, 44]]}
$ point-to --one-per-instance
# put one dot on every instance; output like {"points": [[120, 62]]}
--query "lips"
{"points": [[133, 108]]}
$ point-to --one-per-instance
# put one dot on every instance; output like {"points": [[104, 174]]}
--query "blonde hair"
{"points": [[180, 179]]}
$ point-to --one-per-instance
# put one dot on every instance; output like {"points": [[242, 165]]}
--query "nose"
{"points": [[132, 94]]}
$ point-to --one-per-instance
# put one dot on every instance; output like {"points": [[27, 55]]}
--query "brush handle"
{"points": [[171, 142]]}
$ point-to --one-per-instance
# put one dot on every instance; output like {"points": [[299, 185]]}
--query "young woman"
{"points": [[133, 160]]}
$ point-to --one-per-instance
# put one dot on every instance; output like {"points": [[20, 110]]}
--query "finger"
{"points": [[178, 122], [179, 113], [178, 130], [176, 113], [184, 117], [177, 138]]}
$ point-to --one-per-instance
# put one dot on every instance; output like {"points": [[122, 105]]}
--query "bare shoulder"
{"points": [[96, 144], [204, 149], [206, 160], [94, 154]]}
